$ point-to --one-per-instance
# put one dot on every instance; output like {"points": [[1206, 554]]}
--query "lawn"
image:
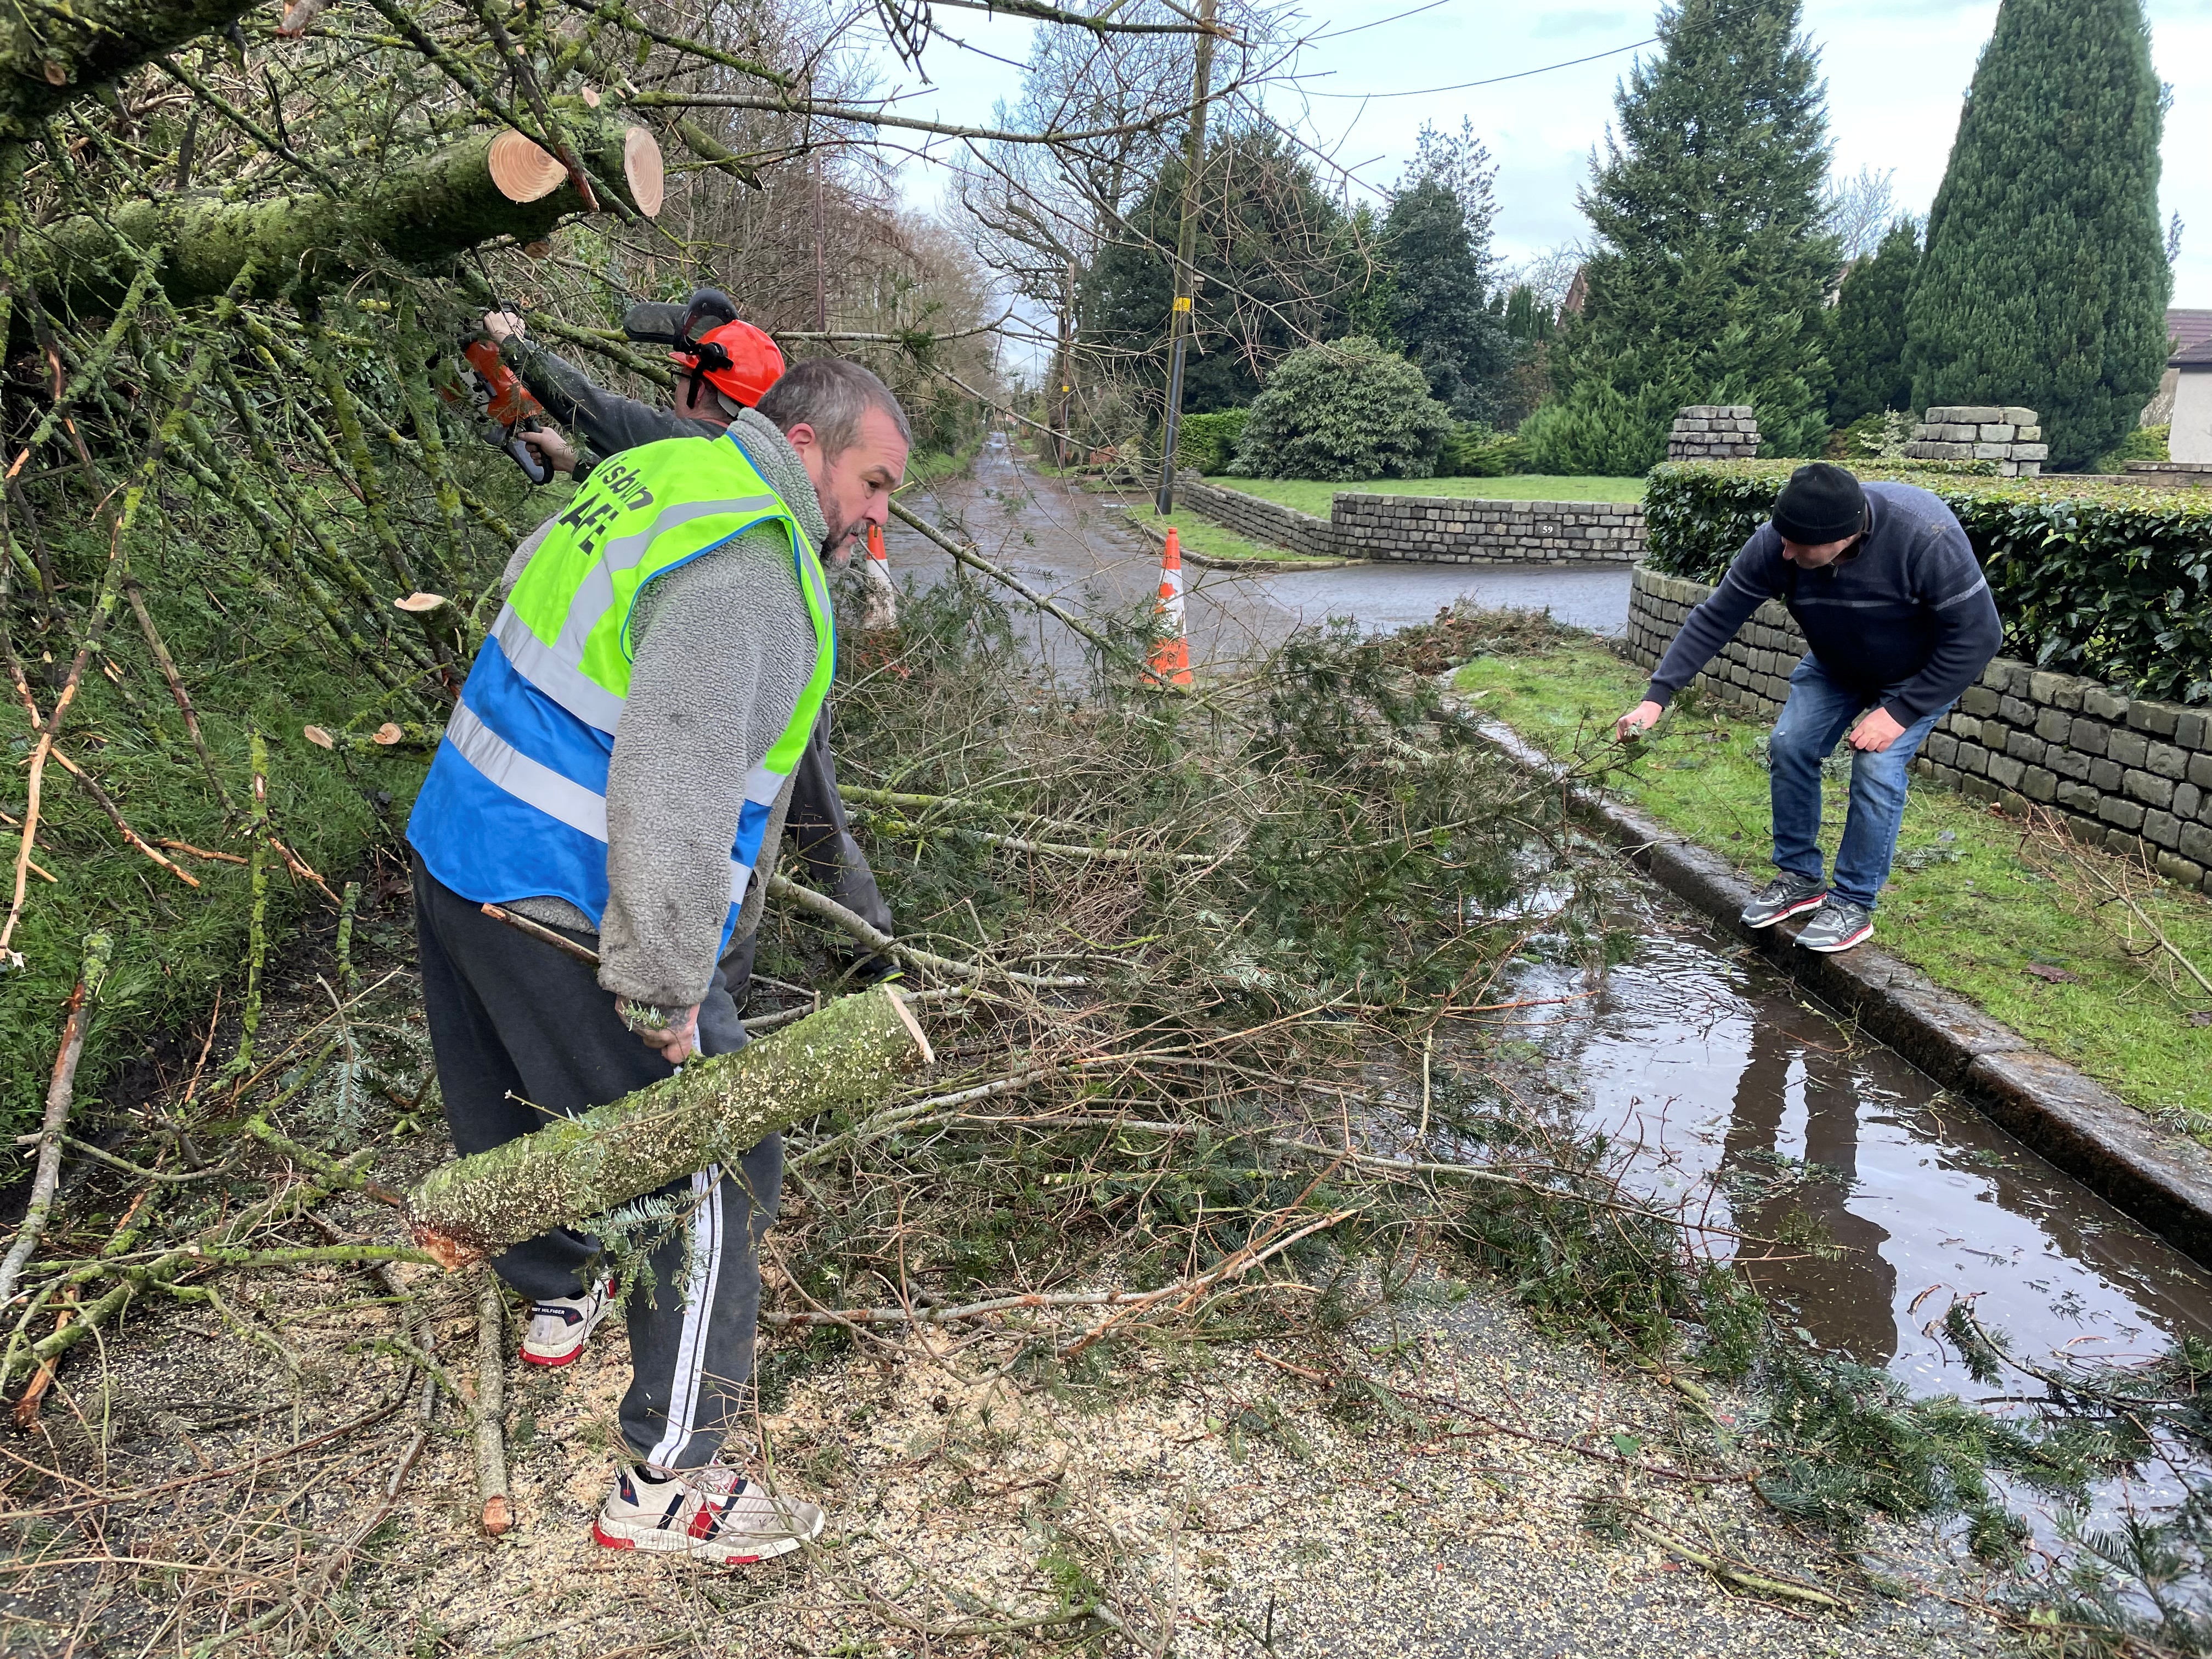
{"points": [[1312, 495], [1962, 906], [1203, 535]]}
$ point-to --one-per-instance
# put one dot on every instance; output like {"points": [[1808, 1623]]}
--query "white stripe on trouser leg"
{"points": [[699, 1287]]}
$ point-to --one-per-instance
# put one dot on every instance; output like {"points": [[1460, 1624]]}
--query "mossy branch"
{"points": [[711, 1111]]}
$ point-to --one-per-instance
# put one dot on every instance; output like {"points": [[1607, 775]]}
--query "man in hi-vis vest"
{"points": [[620, 763]]}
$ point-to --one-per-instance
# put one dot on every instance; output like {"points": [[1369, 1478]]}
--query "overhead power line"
{"points": [[1464, 86]]}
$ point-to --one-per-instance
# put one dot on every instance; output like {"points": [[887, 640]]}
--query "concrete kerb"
{"points": [[2163, 1180]]}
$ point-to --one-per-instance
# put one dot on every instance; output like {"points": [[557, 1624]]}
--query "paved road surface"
{"points": [[1079, 549]]}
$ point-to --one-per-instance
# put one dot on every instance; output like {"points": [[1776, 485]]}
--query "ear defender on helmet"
{"points": [[738, 360]]}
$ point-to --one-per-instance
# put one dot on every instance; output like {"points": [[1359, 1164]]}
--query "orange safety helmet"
{"points": [[738, 360]]}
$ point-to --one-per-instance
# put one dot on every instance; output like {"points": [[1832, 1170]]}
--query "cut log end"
{"points": [[422, 605], [449, 1252], [498, 1517], [914, 1027], [521, 170], [317, 736], [641, 167]]}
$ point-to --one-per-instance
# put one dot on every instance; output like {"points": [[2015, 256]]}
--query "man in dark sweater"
{"points": [[1882, 582]]}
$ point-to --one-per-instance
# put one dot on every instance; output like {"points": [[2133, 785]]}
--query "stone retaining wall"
{"points": [[1258, 518], [2126, 773], [1432, 529]]}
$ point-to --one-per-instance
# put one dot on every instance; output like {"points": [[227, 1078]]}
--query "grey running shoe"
{"points": [[715, 1514], [1838, 925], [1784, 897], [560, 1325]]}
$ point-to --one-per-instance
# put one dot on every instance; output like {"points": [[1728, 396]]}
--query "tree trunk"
{"points": [[419, 214], [74, 48], [711, 1111]]}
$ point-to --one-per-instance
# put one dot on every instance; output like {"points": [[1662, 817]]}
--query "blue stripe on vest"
{"points": [[487, 845], [533, 722]]}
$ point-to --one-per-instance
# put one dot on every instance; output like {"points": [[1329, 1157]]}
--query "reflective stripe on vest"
{"points": [[515, 803]]}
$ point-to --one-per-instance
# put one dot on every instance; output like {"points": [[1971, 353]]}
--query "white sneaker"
{"points": [[713, 1514], [560, 1325]]}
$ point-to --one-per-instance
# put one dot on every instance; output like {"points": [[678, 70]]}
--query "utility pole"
{"points": [[1064, 450], [1179, 320], [821, 274]]}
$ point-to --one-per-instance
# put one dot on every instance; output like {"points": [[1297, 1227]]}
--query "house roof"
{"points": [[2188, 328], [2198, 356]]}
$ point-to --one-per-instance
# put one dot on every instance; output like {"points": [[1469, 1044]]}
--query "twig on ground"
{"points": [[491, 1405], [61, 1092]]}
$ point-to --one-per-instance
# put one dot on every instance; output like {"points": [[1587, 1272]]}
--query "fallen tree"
{"points": [[711, 1111], [71, 49], [489, 186]]}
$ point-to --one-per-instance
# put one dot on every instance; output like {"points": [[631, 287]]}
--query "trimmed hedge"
{"points": [[2112, 582], [1208, 443]]}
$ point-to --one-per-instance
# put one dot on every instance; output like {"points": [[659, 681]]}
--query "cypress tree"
{"points": [[1867, 346], [1709, 282], [2045, 279]]}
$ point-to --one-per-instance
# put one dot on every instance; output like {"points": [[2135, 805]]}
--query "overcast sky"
{"points": [[1896, 72]]}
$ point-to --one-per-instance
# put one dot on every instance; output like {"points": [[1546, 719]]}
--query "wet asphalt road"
{"points": [[1080, 550]]}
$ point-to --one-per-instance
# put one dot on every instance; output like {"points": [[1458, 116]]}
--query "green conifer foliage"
{"points": [[1868, 344], [1435, 243], [2045, 279], [1712, 263], [1436, 307]]}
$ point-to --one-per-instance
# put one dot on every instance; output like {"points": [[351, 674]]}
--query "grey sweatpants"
{"points": [[522, 1031]]}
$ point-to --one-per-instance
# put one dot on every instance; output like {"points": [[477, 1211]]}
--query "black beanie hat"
{"points": [[1821, 502]]}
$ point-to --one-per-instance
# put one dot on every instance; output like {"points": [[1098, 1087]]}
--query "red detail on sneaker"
{"points": [[1856, 940], [611, 1543], [706, 1521], [568, 1359]]}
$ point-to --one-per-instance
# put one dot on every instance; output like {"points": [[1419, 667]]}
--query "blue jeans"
{"points": [[1820, 711]]}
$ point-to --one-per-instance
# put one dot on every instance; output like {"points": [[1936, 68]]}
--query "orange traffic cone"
{"points": [[1171, 658], [879, 602]]}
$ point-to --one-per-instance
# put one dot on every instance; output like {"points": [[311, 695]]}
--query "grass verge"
{"points": [[1203, 535], [1963, 906], [1312, 495]]}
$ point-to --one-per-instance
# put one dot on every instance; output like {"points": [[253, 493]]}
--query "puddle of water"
{"points": [[1712, 1075]]}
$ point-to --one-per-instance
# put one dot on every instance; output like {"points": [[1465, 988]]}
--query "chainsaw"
{"points": [[502, 406]]}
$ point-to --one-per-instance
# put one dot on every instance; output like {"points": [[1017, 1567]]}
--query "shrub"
{"points": [[1880, 436], [1476, 451], [2112, 581], [1208, 443], [2142, 443], [1343, 411]]}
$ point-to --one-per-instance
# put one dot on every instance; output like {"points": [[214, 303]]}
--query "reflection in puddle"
{"points": [[1711, 1070]]}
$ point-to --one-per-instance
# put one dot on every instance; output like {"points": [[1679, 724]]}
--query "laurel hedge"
{"points": [[2112, 582]]}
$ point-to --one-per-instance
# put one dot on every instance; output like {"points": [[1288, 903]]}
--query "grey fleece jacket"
{"points": [[724, 647]]}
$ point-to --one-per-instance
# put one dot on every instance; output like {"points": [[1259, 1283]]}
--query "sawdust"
{"points": [[1218, 1497]]}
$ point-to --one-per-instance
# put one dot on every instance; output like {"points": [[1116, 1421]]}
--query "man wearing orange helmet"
{"points": [[728, 365]]}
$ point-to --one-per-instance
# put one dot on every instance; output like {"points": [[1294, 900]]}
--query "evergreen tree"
{"points": [[1709, 275], [1272, 255], [1868, 344], [1528, 319], [2045, 279], [1435, 300], [1435, 245]]}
